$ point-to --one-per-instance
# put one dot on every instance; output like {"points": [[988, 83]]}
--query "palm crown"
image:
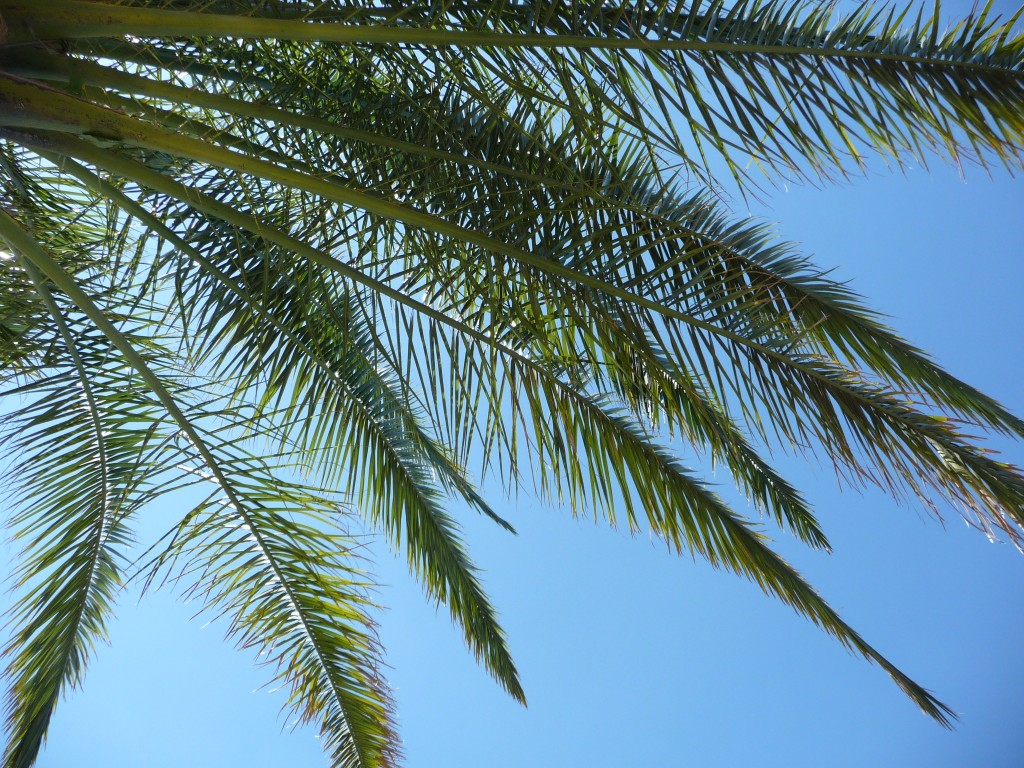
{"points": [[277, 255]]}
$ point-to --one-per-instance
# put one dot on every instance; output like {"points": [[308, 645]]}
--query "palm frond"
{"points": [[88, 442], [372, 244], [784, 84], [329, 423], [799, 377], [288, 590], [267, 555]]}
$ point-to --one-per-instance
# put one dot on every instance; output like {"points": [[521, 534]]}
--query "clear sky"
{"points": [[631, 656]]}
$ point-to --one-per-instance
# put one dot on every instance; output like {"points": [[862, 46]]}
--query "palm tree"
{"points": [[292, 262]]}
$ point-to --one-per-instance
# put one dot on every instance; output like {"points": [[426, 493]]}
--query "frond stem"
{"points": [[74, 19]]}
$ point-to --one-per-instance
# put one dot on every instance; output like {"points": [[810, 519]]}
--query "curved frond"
{"points": [[263, 555], [783, 83], [339, 405], [87, 440], [284, 582]]}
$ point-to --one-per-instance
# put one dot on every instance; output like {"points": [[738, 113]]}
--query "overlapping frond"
{"points": [[379, 243], [344, 419], [785, 84], [285, 584]]}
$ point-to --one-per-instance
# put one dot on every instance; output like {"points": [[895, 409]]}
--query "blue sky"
{"points": [[631, 656]]}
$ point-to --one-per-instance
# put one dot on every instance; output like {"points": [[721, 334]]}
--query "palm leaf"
{"points": [[370, 244], [287, 590], [89, 449]]}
